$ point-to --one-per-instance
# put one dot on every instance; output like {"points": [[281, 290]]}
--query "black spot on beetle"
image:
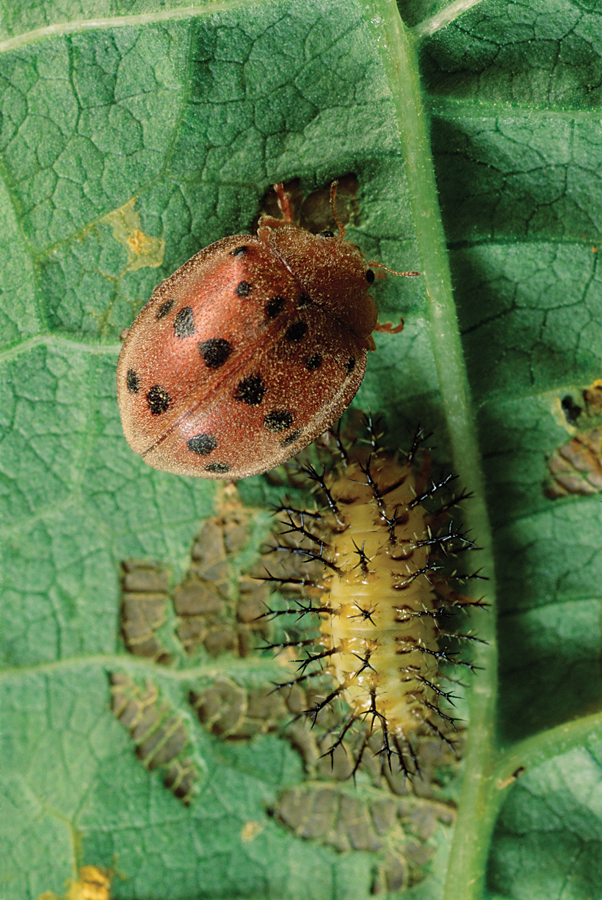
{"points": [[215, 352], [203, 444], [164, 309], [304, 300], [278, 420], [184, 322], [313, 362], [158, 400], [239, 251], [350, 365], [370, 276], [243, 289], [132, 381], [296, 332], [217, 468], [292, 438], [274, 306], [250, 390]]}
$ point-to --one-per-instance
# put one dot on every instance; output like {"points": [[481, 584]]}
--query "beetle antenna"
{"points": [[373, 264], [339, 224]]}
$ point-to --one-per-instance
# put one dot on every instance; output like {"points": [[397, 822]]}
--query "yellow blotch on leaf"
{"points": [[93, 884], [143, 249]]}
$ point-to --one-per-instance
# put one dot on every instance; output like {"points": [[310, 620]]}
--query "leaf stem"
{"points": [[466, 870]]}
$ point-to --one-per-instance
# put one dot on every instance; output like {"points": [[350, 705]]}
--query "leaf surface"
{"points": [[131, 135]]}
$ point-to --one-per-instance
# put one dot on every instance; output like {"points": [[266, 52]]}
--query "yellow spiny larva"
{"points": [[380, 533]]}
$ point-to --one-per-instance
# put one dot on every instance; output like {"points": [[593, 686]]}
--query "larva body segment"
{"points": [[385, 644], [382, 534]]}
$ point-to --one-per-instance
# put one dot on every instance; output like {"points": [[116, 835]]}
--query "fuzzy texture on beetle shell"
{"points": [[249, 351]]}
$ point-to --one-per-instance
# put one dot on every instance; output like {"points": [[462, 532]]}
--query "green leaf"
{"points": [[135, 132]]}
